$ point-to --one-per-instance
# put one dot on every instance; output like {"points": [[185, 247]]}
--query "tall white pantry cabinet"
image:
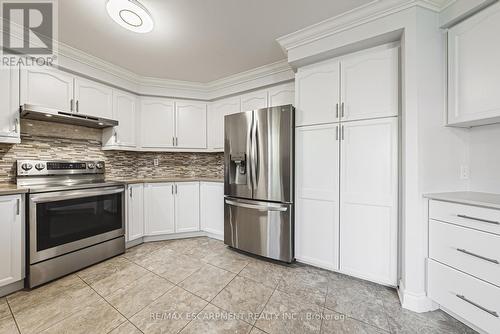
{"points": [[347, 164]]}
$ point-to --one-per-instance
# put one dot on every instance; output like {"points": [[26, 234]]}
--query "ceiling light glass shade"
{"points": [[131, 15]]}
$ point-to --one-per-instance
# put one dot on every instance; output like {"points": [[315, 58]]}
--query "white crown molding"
{"points": [[372, 11]]}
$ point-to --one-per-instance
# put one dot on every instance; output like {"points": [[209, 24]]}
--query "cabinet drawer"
{"points": [[474, 252], [474, 300], [466, 215]]}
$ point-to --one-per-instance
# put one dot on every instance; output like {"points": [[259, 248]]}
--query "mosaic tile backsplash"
{"points": [[50, 141]]}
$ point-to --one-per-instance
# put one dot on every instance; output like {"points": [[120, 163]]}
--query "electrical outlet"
{"points": [[464, 172], [156, 162]]}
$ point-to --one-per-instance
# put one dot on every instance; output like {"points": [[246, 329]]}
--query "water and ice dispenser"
{"points": [[238, 169]]}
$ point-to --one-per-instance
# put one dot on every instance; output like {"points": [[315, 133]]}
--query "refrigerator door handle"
{"points": [[254, 154], [264, 207]]}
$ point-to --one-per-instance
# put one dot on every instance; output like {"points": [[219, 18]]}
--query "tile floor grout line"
{"points": [[264, 308], [359, 320], [323, 310], [107, 302], [197, 314], [232, 279], [12, 315]]}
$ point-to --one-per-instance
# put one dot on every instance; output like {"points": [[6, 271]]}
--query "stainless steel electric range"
{"points": [[75, 218]]}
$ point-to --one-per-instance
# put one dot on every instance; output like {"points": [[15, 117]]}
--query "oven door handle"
{"points": [[67, 195]]}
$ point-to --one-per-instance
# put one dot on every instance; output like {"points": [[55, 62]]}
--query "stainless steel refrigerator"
{"points": [[258, 186]]}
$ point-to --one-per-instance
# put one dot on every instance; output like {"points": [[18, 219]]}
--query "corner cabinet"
{"points": [[9, 106], [122, 136], [216, 113], [11, 239], [474, 70]]}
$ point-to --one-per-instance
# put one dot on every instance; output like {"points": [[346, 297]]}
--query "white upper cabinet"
{"points": [[191, 125], [317, 195], [11, 240], [187, 207], [282, 95], [212, 207], [474, 70], [125, 112], [368, 199], [369, 84], [317, 96], [93, 99], [216, 113], [159, 208], [254, 100], [157, 123], [9, 105], [47, 87], [135, 212]]}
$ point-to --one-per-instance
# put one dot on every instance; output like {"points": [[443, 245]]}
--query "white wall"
{"points": [[485, 158]]}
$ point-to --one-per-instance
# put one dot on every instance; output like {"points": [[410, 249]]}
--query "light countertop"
{"points": [[12, 189], [468, 197], [167, 180]]}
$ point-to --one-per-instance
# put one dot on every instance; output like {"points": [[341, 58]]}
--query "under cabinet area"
{"points": [[11, 239], [474, 70], [167, 209]]}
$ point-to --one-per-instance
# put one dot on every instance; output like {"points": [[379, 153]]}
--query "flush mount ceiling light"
{"points": [[131, 15]]}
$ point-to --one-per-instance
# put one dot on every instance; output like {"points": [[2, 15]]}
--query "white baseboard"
{"points": [[416, 302], [174, 236]]}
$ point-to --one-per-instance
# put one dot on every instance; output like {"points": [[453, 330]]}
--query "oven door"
{"points": [[65, 221]]}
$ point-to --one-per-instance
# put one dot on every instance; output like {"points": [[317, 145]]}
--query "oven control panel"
{"points": [[40, 168]]}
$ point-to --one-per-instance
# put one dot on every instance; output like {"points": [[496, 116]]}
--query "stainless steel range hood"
{"points": [[29, 111]]}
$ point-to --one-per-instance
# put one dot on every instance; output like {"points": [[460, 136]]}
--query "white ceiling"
{"points": [[194, 40]]}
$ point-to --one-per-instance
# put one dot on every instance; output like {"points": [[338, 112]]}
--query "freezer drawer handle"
{"points": [[479, 219], [268, 207], [493, 313], [478, 256]]}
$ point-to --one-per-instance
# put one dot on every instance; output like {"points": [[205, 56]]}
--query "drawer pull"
{"points": [[480, 219], [493, 313], [478, 256]]}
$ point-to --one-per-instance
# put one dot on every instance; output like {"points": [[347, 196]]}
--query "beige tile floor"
{"points": [[200, 286]]}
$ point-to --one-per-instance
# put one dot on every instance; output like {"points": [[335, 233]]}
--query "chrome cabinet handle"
{"points": [[478, 256], [465, 299], [131, 192], [176, 141], [343, 110], [337, 110], [337, 133], [172, 189], [173, 141], [72, 105], [77, 106], [176, 189], [343, 132], [18, 207], [479, 219]]}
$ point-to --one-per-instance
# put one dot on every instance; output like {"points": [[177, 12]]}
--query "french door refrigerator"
{"points": [[258, 182]]}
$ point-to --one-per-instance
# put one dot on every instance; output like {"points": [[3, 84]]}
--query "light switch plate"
{"points": [[464, 172]]}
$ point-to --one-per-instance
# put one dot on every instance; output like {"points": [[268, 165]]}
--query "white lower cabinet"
{"points": [[135, 212], [347, 196], [159, 208], [11, 239], [212, 207], [187, 207]]}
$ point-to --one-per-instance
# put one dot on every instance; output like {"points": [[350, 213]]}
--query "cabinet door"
{"points": [[124, 111], [93, 99], [187, 207], [212, 207], [191, 121], [368, 199], [11, 240], [254, 100], [317, 94], [47, 87], [157, 123], [217, 111], [135, 212], [317, 202], [474, 69], [9, 105], [282, 95], [370, 85], [159, 208]]}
